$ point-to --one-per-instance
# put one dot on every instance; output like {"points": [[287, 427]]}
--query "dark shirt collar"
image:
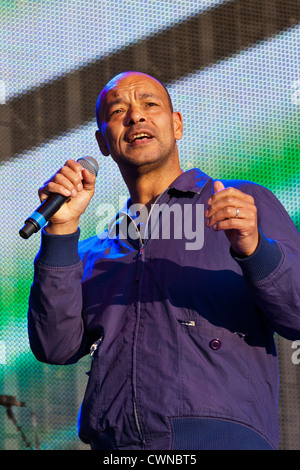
{"points": [[189, 181], [192, 180]]}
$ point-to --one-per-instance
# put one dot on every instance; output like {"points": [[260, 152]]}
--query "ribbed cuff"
{"points": [[58, 250], [215, 434], [262, 262]]}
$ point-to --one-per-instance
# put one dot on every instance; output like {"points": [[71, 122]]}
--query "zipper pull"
{"points": [[95, 346], [139, 263]]}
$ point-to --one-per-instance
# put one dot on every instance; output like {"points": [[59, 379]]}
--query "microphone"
{"points": [[53, 203], [9, 400]]}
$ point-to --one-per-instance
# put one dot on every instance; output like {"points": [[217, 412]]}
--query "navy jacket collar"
{"points": [[192, 180]]}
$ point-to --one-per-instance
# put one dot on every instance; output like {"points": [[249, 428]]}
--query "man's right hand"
{"points": [[76, 182]]}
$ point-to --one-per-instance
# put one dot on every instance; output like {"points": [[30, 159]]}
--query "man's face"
{"points": [[138, 126]]}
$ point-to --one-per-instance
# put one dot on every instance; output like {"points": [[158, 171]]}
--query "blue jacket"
{"points": [[177, 335]]}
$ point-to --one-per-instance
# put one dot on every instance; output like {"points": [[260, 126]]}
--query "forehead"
{"points": [[128, 85], [132, 85]]}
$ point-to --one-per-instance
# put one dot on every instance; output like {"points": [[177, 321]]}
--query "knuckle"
{"points": [[228, 211], [252, 214], [78, 166], [77, 178], [52, 185], [64, 170], [230, 190], [73, 172], [56, 178]]}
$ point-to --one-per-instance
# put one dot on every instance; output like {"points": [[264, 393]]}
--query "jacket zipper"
{"points": [[136, 416], [137, 278], [139, 261]]}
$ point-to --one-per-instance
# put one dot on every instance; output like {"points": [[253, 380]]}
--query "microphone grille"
{"points": [[90, 164]]}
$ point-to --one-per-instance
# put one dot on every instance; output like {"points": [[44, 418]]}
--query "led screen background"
{"points": [[232, 69]]}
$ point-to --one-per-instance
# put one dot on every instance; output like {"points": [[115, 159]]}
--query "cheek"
{"points": [[168, 133], [112, 137]]}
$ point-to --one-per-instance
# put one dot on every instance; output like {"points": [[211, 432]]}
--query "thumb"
{"points": [[88, 180], [218, 186]]}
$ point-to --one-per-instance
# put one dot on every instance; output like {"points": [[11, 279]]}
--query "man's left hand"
{"points": [[233, 211]]}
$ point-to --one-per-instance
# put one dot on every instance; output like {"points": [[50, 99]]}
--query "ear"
{"points": [[177, 125], [102, 143]]}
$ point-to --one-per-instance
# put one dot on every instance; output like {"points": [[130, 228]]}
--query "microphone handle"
{"points": [[42, 214]]}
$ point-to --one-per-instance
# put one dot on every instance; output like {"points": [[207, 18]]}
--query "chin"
{"points": [[141, 160]]}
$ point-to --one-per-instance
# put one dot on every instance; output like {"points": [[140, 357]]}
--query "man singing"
{"points": [[180, 335]]}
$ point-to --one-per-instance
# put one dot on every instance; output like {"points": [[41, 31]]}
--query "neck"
{"points": [[145, 185]]}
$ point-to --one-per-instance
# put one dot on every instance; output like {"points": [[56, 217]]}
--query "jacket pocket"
{"points": [[214, 374], [88, 414]]}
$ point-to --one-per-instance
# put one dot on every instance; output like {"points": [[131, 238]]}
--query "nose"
{"points": [[134, 115]]}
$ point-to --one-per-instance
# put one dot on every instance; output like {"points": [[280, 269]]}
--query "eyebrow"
{"points": [[112, 103]]}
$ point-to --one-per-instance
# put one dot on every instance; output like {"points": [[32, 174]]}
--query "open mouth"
{"points": [[139, 138]]}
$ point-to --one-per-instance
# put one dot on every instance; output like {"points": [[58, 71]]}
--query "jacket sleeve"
{"points": [[272, 272], [55, 324]]}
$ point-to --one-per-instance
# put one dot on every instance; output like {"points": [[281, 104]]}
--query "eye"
{"points": [[116, 111], [151, 104]]}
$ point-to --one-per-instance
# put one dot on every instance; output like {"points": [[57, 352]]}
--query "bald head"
{"points": [[116, 82]]}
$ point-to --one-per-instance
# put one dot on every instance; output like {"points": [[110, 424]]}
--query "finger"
{"points": [[225, 203], [236, 211], [60, 184], [72, 178], [50, 187], [244, 227], [75, 166], [88, 179], [229, 201], [43, 194], [230, 193], [218, 186], [227, 212], [244, 219], [66, 181], [82, 178], [229, 207]]}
